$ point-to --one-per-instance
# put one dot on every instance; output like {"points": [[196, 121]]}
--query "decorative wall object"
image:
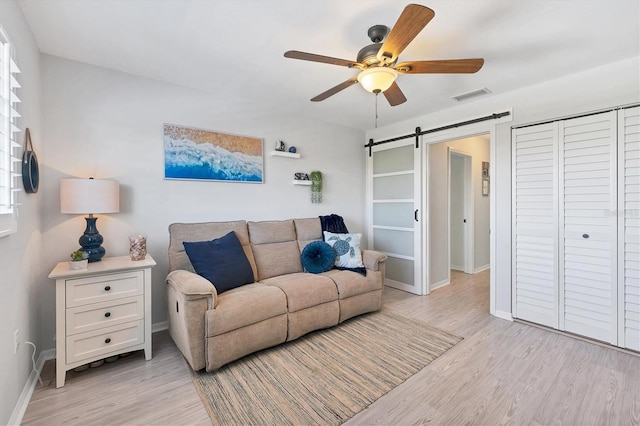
{"points": [[30, 169], [316, 186], [198, 154], [485, 169], [485, 178]]}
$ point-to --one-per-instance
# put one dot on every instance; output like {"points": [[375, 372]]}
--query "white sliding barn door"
{"points": [[394, 199], [588, 228], [535, 224], [629, 228]]}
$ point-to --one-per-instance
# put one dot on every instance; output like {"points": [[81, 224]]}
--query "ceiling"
{"points": [[234, 49]]}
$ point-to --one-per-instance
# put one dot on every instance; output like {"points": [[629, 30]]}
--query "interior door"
{"points": [[588, 231], [535, 224], [393, 213], [629, 228]]}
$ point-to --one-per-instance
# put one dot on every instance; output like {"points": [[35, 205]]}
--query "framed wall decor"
{"points": [[485, 178], [197, 154]]}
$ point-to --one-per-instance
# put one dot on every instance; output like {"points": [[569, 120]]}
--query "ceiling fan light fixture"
{"points": [[377, 79]]}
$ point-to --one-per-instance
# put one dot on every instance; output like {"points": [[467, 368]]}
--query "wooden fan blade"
{"points": [[294, 54], [334, 90], [413, 19], [394, 95], [462, 66]]}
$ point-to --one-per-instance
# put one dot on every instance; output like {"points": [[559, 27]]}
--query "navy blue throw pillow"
{"points": [[318, 256], [222, 261]]}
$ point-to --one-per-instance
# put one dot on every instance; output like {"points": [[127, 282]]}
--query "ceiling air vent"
{"points": [[472, 94]]}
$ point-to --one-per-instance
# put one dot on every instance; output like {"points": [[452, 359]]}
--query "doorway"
{"points": [[460, 207], [415, 269]]}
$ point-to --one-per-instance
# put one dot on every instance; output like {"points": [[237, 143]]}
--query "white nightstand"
{"points": [[101, 311]]}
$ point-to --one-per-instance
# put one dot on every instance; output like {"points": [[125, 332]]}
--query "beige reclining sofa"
{"points": [[282, 304]]}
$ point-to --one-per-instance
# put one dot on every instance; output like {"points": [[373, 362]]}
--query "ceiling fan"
{"points": [[377, 62]]}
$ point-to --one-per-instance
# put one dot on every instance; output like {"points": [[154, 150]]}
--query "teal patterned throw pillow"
{"points": [[347, 248]]}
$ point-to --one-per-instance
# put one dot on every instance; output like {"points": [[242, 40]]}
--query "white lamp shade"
{"points": [[377, 78], [87, 196]]}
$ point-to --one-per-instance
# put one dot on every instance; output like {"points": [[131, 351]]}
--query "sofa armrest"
{"points": [[372, 260], [189, 297], [193, 286]]}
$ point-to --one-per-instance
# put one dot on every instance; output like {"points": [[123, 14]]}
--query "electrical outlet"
{"points": [[16, 340]]}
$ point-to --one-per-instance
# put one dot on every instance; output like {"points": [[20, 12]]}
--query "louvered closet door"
{"points": [[588, 232], [535, 219], [629, 228]]}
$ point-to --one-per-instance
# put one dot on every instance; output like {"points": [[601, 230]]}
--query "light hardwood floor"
{"points": [[502, 373]]}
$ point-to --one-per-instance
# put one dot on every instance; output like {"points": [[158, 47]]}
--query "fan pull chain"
{"points": [[376, 101]]}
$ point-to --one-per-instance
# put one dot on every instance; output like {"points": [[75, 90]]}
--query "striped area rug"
{"points": [[325, 377]]}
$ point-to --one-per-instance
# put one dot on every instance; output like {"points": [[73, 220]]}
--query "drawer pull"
{"points": [[107, 340], [585, 235], [107, 314], [107, 288]]}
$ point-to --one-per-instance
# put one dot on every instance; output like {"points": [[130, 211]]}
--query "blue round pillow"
{"points": [[317, 257]]}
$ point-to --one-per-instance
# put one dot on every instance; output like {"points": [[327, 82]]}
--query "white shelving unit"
{"points": [[302, 182], [284, 154]]}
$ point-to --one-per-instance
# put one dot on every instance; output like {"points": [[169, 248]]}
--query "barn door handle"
{"points": [[415, 215]]}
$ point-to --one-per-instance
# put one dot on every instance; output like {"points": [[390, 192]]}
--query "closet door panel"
{"points": [[629, 228], [534, 217], [588, 243]]}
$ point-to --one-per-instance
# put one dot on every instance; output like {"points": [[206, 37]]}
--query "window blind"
{"points": [[10, 161]]}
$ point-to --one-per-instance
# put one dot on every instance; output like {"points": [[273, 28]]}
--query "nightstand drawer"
{"points": [[85, 318], [100, 342], [83, 291]]}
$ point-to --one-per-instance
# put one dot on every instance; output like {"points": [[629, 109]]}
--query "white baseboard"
{"points": [[27, 391], [457, 268], [159, 326], [23, 401], [481, 268], [439, 284], [503, 315]]}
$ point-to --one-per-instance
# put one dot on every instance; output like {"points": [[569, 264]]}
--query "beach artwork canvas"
{"points": [[198, 154]]}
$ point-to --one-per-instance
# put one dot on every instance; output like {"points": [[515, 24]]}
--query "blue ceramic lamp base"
{"points": [[91, 241]]}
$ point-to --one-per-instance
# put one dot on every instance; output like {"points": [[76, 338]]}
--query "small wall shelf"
{"points": [[302, 182], [284, 154]]}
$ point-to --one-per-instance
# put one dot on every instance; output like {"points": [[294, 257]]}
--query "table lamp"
{"points": [[89, 196]]}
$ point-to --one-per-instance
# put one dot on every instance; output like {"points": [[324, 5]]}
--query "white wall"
{"points": [[108, 124], [20, 253], [478, 148], [603, 87]]}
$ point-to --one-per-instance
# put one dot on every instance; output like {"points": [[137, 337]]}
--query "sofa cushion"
{"points": [[274, 231], [307, 230], [245, 306], [317, 257], [181, 232], [222, 261], [277, 259], [352, 284], [347, 247], [275, 248], [304, 290]]}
